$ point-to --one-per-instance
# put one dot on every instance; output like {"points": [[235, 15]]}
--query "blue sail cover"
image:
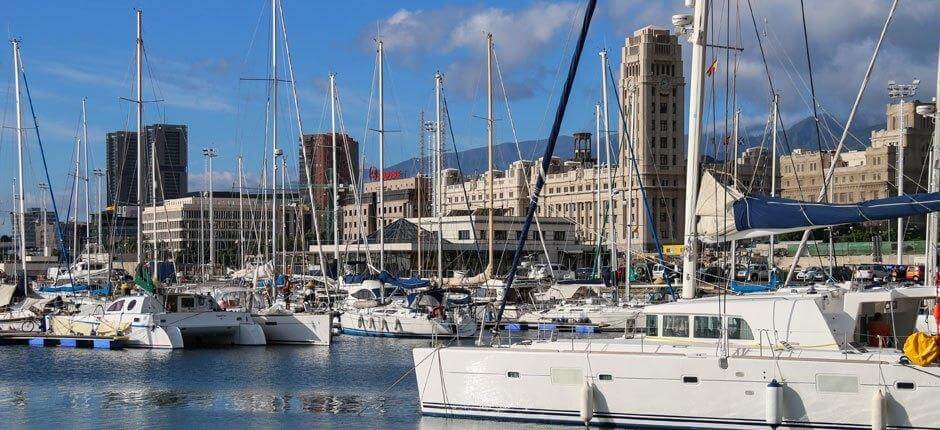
{"points": [[773, 214], [406, 283]]}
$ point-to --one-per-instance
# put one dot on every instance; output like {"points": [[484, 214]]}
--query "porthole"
{"points": [[904, 385], [690, 380], [605, 377], [512, 374]]}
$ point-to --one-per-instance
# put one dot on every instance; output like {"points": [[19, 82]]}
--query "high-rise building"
{"points": [[651, 79], [317, 149], [35, 228], [171, 143]]}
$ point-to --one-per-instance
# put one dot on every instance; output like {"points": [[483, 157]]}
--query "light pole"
{"points": [[209, 153], [900, 92], [42, 221], [99, 174]]}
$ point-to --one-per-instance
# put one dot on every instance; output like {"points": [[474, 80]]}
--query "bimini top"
{"points": [[726, 214]]}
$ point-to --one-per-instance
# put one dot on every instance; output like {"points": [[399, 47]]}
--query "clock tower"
{"points": [[652, 90]]}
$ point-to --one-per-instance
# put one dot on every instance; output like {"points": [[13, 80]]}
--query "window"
{"points": [[116, 306], [676, 325], [707, 327], [463, 235], [499, 235], [663, 108], [663, 126], [605, 377], [559, 235], [833, 383], [663, 160], [187, 302], [662, 142], [738, 329], [131, 304], [535, 235], [652, 325]]}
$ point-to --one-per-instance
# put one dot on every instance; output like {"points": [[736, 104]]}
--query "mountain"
{"points": [[800, 135]]}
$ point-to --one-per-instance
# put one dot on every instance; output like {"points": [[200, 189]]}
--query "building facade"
{"points": [[171, 142], [864, 174], [317, 149], [404, 198]]}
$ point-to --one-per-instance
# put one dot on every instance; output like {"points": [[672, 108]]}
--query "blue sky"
{"points": [[197, 52]]}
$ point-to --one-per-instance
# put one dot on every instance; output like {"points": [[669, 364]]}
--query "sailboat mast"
{"points": [[274, 148], [241, 215], [931, 256], [21, 209], [629, 172], [335, 177], [153, 204], [598, 230], [422, 139], [140, 139], [491, 253], [612, 233], [697, 93], [381, 156], [75, 198], [438, 181], [773, 174], [734, 184], [283, 214], [87, 180]]}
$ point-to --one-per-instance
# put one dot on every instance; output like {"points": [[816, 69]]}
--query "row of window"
{"points": [[700, 326]]}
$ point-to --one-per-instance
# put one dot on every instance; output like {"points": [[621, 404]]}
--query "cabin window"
{"points": [[116, 306], [675, 325], [567, 376], [605, 377], [202, 301], [738, 329], [707, 327], [652, 325], [131, 304], [904, 385], [187, 302], [512, 374]]}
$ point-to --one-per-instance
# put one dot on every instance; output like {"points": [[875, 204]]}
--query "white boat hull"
{"points": [[215, 328], [299, 328], [655, 388], [362, 323], [140, 334]]}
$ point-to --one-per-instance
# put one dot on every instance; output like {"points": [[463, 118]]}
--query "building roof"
{"points": [[402, 231]]}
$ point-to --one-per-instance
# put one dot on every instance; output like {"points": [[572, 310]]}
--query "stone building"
{"points": [[401, 201], [863, 174]]}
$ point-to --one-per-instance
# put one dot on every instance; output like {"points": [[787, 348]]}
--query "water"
{"points": [[348, 385]]}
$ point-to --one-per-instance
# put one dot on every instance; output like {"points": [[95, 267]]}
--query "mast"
{"points": [[335, 175], [153, 202], [418, 185], [698, 39], [612, 233], [274, 148], [140, 139], [75, 197], [489, 156], [931, 257], [210, 154], [629, 172], [438, 181], [381, 156], [283, 213], [45, 218], [598, 259], [98, 174], [734, 184], [86, 179], [21, 209], [902, 142], [773, 173], [241, 215]]}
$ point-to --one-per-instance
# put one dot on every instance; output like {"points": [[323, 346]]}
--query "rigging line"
{"points": [[770, 82], [812, 89], [515, 138]]}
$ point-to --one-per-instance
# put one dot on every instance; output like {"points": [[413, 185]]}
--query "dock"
{"points": [[44, 340]]}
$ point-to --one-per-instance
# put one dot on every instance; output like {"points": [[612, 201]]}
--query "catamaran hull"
{"points": [[138, 335], [394, 326], [672, 389], [215, 328], [302, 328]]}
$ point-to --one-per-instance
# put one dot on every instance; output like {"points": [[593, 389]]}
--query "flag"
{"points": [[711, 69]]}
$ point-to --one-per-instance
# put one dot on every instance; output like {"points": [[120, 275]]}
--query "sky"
{"points": [[202, 56]]}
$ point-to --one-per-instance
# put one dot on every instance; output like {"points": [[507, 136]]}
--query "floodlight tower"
{"points": [[900, 92]]}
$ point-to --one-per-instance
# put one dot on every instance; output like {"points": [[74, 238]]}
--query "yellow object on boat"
{"points": [[922, 349]]}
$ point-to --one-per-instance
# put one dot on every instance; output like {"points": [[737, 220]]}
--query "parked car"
{"points": [[914, 273], [808, 274], [543, 271], [842, 273], [659, 271], [752, 272], [870, 273]]}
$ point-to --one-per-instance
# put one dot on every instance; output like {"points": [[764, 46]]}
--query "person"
{"points": [[878, 331]]}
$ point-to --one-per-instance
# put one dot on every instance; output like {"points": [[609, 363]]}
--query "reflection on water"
{"points": [[346, 385]]}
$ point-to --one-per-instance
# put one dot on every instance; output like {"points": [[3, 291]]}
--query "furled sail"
{"points": [[726, 214]]}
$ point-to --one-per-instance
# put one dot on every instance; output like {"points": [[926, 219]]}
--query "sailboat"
{"points": [[793, 358], [158, 318]]}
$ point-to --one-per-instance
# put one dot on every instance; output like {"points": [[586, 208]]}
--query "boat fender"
{"points": [[398, 325], [372, 323], [587, 402], [384, 324], [773, 402], [362, 322], [878, 411]]}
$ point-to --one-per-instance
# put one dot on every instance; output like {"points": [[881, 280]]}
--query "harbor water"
{"points": [[356, 383]]}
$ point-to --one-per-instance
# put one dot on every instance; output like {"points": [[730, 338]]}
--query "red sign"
{"points": [[388, 174]]}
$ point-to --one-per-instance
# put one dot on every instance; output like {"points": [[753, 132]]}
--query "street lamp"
{"points": [[900, 92], [209, 153]]}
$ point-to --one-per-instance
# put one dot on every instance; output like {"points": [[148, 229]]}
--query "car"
{"points": [[807, 274], [752, 272], [556, 271], [870, 273], [659, 271], [914, 273]]}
